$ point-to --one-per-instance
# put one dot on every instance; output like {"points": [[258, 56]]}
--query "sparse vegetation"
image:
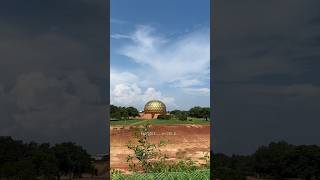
{"points": [[148, 159]]}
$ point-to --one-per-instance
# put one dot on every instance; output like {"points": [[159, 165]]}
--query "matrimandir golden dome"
{"points": [[155, 107]]}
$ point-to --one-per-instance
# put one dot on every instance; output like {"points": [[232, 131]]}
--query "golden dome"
{"points": [[155, 107]]}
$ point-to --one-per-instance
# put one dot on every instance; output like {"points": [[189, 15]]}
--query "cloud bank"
{"points": [[182, 63]]}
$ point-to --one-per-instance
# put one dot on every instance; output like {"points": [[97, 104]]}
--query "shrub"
{"points": [[182, 117], [165, 117], [144, 151]]}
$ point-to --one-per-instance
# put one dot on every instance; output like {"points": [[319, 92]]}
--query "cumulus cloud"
{"points": [[126, 90], [182, 63], [182, 59]]}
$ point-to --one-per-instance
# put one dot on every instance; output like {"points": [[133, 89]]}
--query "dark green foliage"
{"points": [[271, 160], [117, 112], [72, 159], [132, 112], [165, 117], [277, 161], [175, 112], [33, 161], [284, 160], [20, 169], [200, 112], [181, 115]]}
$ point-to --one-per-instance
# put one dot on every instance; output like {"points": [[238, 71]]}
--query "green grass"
{"points": [[173, 121], [192, 175]]}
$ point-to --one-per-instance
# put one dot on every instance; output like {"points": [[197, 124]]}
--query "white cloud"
{"points": [[120, 36], [182, 63], [126, 90], [132, 95], [186, 82], [117, 77], [181, 60], [197, 91]]}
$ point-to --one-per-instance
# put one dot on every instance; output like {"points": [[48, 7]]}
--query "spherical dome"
{"points": [[155, 107]]}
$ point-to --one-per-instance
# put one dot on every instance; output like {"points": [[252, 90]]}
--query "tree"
{"points": [[182, 116], [271, 160], [115, 112], [20, 169], [20, 160], [44, 160], [200, 112], [72, 160], [123, 112], [132, 112], [175, 112], [205, 112]]}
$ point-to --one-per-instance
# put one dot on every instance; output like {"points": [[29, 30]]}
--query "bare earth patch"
{"points": [[183, 141]]}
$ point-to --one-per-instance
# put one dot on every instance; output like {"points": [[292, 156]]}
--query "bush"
{"points": [[182, 117], [144, 152], [165, 117]]}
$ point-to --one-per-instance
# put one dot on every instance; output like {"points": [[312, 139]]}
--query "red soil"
{"points": [[190, 140]]}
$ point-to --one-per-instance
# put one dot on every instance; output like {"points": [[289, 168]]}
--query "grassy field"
{"points": [[193, 175], [173, 121]]}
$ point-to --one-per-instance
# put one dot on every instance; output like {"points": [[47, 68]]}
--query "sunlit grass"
{"points": [[172, 121]]}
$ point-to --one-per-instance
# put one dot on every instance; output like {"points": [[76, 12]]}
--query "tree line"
{"points": [[119, 112], [278, 160], [42, 161], [194, 112]]}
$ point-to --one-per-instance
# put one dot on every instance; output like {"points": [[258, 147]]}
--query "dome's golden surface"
{"points": [[155, 107]]}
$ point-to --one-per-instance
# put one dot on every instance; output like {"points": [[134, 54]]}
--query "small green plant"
{"points": [[146, 155]]}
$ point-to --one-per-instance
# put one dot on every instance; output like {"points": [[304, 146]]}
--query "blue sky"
{"points": [[160, 50]]}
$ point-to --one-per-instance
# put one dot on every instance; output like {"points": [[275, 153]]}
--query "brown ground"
{"points": [[183, 140]]}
